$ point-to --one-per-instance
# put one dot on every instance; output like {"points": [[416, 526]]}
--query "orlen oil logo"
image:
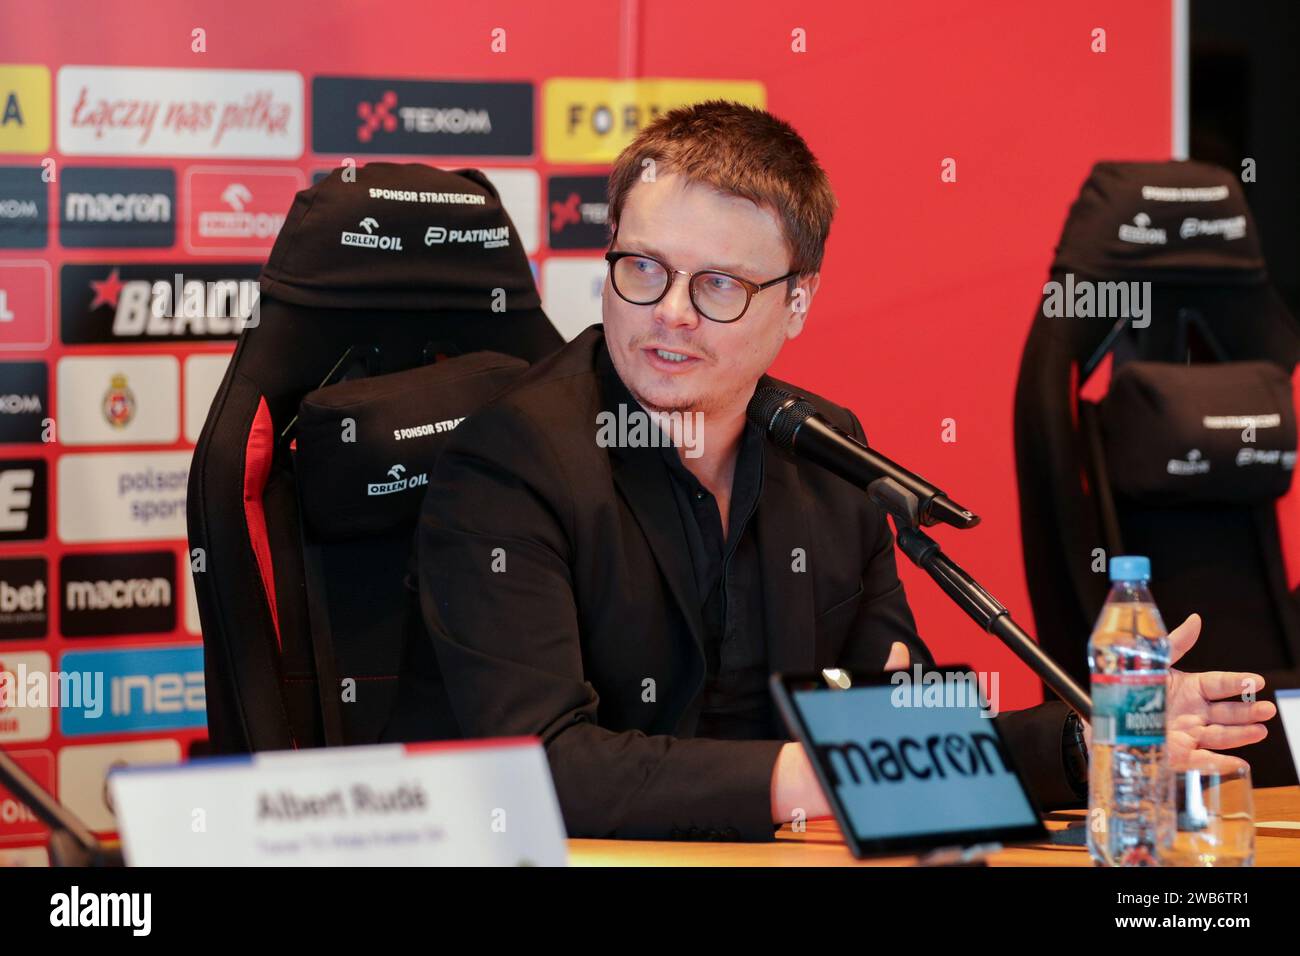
{"points": [[370, 237], [24, 109], [397, 481], [237, 210], [149, 689], [590, 121]]}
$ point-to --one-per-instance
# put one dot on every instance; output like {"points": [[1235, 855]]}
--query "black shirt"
{"points": [[737, 704]]}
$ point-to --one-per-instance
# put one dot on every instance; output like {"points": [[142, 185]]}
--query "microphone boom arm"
{"points": [[969, 595]]}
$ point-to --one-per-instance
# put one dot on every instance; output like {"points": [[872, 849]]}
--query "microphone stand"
{"points": [[969, 595], [71, 843]]}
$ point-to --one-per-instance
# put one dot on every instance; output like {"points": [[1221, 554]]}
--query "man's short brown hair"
{"points": [[744, 151]]}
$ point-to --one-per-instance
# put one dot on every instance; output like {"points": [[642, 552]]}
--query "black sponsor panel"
{"points": [[24, 401], [108, 207], [106, 594], [24, 598], [24, 499], [109, 304], [359, 115], [577, 212], [24, 208]]}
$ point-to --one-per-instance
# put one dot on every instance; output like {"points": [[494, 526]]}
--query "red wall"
{"points": [[928, 288]]}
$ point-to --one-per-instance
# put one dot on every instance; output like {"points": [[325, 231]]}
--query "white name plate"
{"points": [[1288, 708], [461, 803]]}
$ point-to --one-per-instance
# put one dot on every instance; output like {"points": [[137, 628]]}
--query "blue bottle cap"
{"points": [[1130, 567]]}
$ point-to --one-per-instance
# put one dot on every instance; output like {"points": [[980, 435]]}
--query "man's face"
{"points": [[693, 227]]}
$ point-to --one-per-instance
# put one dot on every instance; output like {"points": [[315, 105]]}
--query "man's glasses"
{"points": [[718, 296]]}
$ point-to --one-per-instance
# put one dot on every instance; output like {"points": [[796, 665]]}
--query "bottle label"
{"points": [[1128, 710]]}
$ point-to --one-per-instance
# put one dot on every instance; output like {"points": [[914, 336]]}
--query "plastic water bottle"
{"points": [[1129, 814]]}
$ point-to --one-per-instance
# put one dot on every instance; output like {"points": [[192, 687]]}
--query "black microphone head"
{"points": [[779, 413]]}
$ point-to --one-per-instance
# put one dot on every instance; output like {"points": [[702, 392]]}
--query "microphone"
{"points": [[794, 425]]}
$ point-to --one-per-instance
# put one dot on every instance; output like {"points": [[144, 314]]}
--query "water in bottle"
{"points": [[1129, 815]]}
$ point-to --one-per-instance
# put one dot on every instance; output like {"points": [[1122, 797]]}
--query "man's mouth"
{"points": [[669, 359]]}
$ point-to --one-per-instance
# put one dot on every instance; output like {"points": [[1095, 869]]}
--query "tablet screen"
{"points": [[912, 775]]}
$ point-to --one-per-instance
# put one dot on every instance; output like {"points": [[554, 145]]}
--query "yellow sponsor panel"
{"points": [[591, 120], [24, 109]]}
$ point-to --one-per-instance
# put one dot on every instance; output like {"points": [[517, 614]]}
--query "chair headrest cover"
{"points": [[366, 447], [401, 236], [1178, 434], [1179, 221]]}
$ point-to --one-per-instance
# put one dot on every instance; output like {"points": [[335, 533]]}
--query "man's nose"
{"points": [[675, 309]]}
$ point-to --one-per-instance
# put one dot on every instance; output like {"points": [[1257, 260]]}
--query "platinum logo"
{"points": [[1229, 229], [489, 238]]}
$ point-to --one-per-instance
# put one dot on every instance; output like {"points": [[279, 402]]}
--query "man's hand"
{"points": [[794, 784], [795, 788], [899, 657], [1201, 713]]}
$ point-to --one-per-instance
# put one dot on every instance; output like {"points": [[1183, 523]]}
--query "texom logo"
{"points": [[377, 116], [420, 117], [579, 211], [24, 400], [24, 208]]}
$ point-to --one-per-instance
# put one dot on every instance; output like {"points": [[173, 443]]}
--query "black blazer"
{"points": [[557, 594]]}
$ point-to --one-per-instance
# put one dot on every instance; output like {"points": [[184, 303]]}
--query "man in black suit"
{"points": [[624, 599]]}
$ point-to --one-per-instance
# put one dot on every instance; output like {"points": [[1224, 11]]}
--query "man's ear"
{"points": [[800, 303]]}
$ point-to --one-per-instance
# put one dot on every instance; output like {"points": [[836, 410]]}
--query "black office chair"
{"points": [[396, 297], [1158, 466]]}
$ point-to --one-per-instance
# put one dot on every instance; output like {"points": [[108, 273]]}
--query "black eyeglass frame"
{"points": [[751, 288]]}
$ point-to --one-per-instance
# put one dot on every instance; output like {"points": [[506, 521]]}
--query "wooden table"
{"points": [[821, 845]]}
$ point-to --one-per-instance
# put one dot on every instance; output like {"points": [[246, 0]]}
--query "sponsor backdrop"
{"points": [[149, 152]]}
